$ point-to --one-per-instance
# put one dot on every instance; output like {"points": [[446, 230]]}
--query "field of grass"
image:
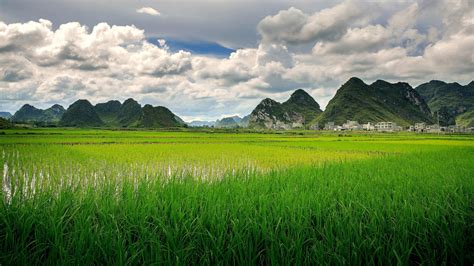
{"points": [[141, 197]]}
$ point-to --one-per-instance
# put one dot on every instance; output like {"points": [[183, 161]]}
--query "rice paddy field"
{"points": [[141, 197]]}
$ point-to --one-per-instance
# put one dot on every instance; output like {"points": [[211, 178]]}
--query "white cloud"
{"points": [[149, 11], [41, 63], [293, 26]]}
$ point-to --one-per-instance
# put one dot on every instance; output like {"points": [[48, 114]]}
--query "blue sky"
{"points": [[196, 47]]}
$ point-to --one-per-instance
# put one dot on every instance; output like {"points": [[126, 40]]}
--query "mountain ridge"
{"points": [[30, 114], [113, 114], [377, 102], [354, 100], [296, 112], [448, 101]]}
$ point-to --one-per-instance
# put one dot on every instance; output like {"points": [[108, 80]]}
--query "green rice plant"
{"points": [[236, 199]]}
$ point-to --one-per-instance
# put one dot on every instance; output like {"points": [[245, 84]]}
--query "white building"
{"points": [[433, 129], [352, 125], [387, 126], [420, 127], [369, 126], [456, 129], [329, 126]]}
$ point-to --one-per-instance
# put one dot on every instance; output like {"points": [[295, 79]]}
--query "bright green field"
{"points": [[141, 197]]}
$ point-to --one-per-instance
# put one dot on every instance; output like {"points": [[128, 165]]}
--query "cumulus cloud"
{"points": [[149, 11], [399, 31], [43, 63], [294, 26]]}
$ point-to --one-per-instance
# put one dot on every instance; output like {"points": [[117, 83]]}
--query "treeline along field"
{"points": [[138, 197]]}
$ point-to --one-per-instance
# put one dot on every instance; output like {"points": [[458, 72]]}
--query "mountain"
{"points": [[108, 112], [298, 111], [53, 114], [448, 100], [27, 113], [244, 122], [114, 114], [232, 122], [31, 114], [158, 117], [129, 113], [198, 123], [4, 123], [228, 122], [466, 119], [5, 115], [377, 102], [180, 121], [81, 114], [302, 103]]}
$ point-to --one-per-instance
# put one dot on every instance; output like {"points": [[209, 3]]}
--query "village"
{"points": [[393, 127]]}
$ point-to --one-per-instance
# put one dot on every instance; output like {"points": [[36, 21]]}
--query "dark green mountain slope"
{"points": [[53, 114], [27, 114], [129, 113], [158, 117], [108, 112], [33, 115], [4, 123], [301, 102], [297, 111], [81, 114], [380, 101], [449, 100], [466, 119]]}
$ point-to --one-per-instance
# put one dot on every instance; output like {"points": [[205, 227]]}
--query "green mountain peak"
{"points": [[297, 111], [377, 102], [81, 114], [448, 100]]}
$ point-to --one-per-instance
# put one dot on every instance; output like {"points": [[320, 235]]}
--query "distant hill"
{"points": [[158, 117], [32, 115], [377, 102], [200, 123], [466, 119], [108, 112], [114, 114], [81, 114], [449, 100], [298, 111], [232, 122], [4, 123], [228, 122], [129, 113], [244, 122], [5, 115]]}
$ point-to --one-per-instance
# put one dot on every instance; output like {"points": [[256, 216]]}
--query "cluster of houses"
{"points": [[423, 127], [355, 126], [392, 127]]}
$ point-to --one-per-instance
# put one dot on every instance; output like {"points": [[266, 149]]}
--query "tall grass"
{"points": [[411, 205]]}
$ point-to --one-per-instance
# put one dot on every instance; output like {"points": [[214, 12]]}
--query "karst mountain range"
{"points": [[431, 102]]}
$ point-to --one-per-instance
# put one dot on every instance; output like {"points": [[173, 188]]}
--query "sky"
{"points": [[206, 59]]}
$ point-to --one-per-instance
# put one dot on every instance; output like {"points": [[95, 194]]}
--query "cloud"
{"points": [[293, 26], [149, 11], [43, 63], [399, 32]]}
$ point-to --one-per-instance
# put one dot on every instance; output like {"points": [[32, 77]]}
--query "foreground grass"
{"points": [[402, 208]]}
